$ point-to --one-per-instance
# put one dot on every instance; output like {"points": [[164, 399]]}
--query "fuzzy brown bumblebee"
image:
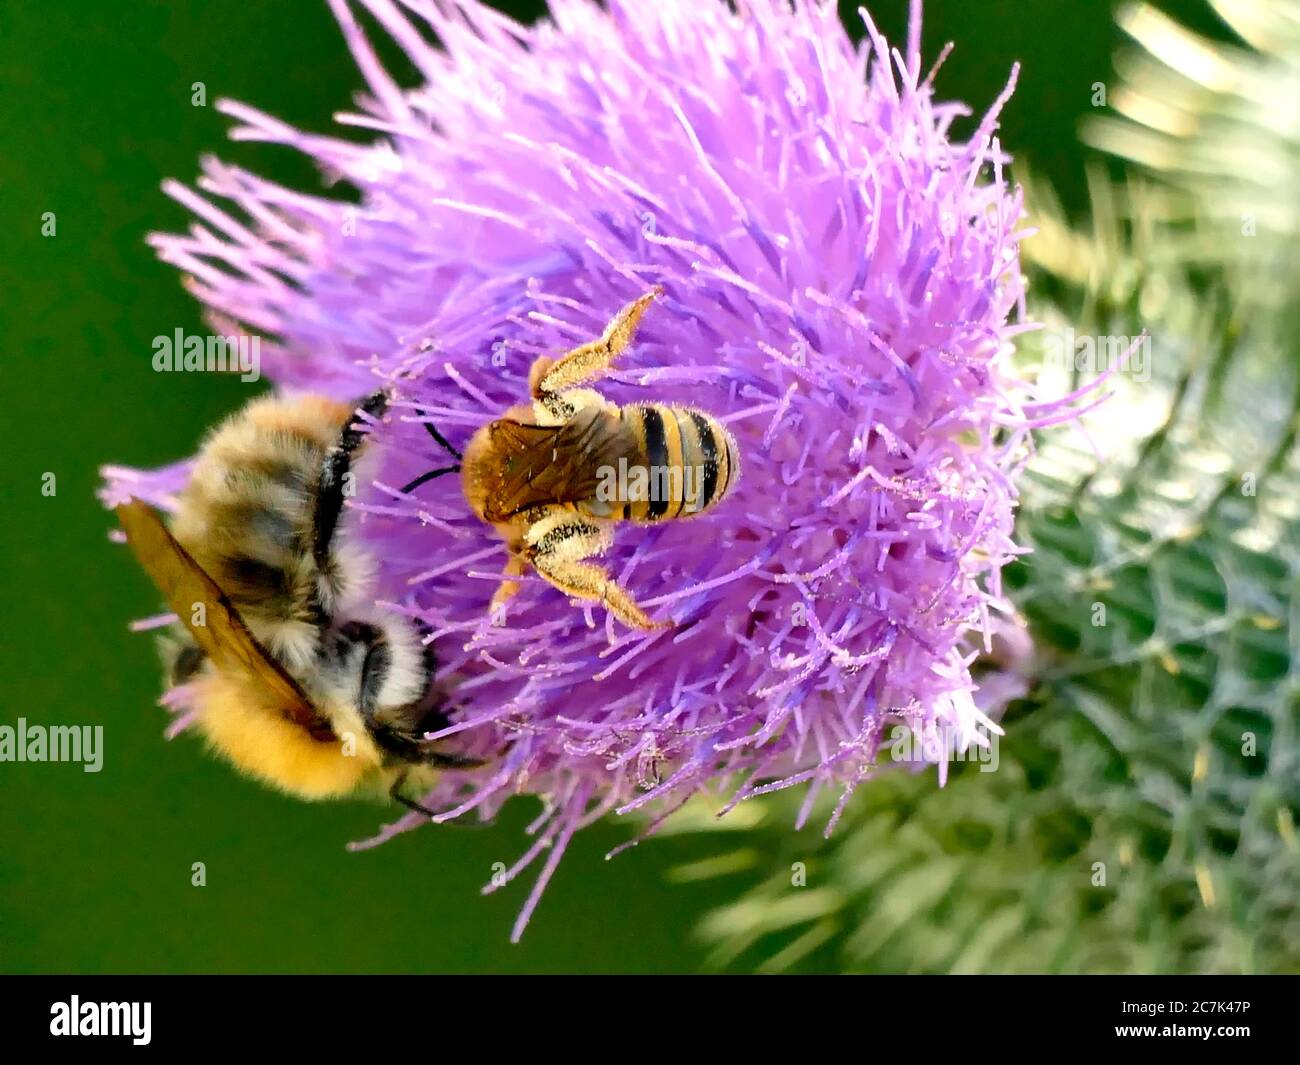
{"points": [[298, 679]]}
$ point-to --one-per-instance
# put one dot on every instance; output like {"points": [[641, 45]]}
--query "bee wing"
{"points": [[223, 637], [555, 463]]}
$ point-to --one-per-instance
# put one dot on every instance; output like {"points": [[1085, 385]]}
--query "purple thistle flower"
{"points": [[838, 277]]}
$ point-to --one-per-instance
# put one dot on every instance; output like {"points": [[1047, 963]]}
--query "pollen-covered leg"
{"points": [[557, 548], [591, 360], [507, 589], [586, 580]]}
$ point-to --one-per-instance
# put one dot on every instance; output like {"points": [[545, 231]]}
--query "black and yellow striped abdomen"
{"points": [[685, 462]]}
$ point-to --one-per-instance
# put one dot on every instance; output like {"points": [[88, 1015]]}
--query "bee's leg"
{"points": [[506, 590], [515, 533], [591, 360], [557, 547], [334, 484], [395, 793], [442, 760]]}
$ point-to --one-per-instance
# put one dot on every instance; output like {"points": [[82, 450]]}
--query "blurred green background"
{"points": [[95, 110]]}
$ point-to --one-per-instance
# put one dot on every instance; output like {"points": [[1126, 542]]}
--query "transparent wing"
{"points": [[223, 636]]}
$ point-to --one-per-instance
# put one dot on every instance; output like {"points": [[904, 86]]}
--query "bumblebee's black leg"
{"points": [[441, 761], [332, 486], [435, 720], [452, 761], [400, 731], [395, 793]]}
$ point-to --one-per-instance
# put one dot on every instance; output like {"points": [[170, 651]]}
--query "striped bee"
{"points": [[555, 474]]}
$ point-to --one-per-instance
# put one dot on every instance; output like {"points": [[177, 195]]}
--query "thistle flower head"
{"points": [[838, 276]]}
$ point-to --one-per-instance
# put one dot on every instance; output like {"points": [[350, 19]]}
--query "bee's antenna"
{"points": [[433, 432], [430, 476]]}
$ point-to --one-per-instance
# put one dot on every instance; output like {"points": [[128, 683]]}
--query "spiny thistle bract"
{"points": [[1142, 815], [838, 274]]}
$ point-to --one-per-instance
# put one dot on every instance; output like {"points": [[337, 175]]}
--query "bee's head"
{"points": [[378, 663], [384, 675]]}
